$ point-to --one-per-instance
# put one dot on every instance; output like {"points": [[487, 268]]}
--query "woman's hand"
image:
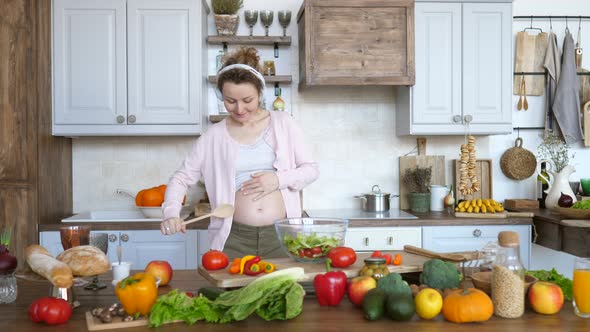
{"points": [[261, 184], [172, 225]]}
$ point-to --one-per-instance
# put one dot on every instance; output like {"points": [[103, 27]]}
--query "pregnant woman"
{"points": [[254, 159]]}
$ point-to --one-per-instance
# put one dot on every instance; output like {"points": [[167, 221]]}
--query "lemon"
{"points": [[429, 303]]}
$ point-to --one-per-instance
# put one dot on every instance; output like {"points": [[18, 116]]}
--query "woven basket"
{"points": [[226, 25], [518, 163]]}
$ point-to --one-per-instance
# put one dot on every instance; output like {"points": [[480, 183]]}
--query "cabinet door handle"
{"points": [[131, 119], [390, 241], [124, 237], [112, 238], [120, 119], [477, 233], [457, 118], [468, 118], [366, 242]]}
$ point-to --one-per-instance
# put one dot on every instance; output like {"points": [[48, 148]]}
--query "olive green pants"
{"points": [[251, 240]]}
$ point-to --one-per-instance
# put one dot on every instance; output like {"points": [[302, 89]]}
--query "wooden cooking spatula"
{"points": [[221, 211]]}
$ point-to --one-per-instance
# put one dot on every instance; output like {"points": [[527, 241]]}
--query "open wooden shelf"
{"points": [[268, 79], [250, 40]]}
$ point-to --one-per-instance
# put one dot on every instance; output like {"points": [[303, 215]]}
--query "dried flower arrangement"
{"points": [[555, 150], [418, 179]]}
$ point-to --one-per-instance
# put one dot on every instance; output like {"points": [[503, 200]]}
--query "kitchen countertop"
{"points": [[424, 219], [344, 317]]}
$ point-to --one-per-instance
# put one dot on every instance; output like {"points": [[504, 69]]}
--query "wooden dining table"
{"points": [[344, 317]]}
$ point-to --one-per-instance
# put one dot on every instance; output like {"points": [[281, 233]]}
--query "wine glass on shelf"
{"points": [[284, 20], [73, 236], [101, 241], [251, 17], [266, 17]]}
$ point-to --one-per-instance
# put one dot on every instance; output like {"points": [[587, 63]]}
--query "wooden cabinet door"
{"points": [[487, 62], [89, 69], [163, 37], [357, 42], [437, 93]]}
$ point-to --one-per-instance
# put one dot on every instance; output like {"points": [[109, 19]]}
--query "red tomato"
{"points": [[50, 310], [316, 250], [189, 294], [342, 257], [377, 253], [214, 260], [388, 258]]}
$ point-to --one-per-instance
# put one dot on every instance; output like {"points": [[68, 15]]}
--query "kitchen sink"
{"points": [[116, 216]]}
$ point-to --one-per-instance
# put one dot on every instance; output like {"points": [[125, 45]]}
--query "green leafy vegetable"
{"points": [[302, 241], [585, 205], [273, 296], [553, 276]]}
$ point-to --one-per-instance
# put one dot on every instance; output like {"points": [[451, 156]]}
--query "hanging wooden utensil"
{"points": [[525, 103], [578, 50], [519, 104]]}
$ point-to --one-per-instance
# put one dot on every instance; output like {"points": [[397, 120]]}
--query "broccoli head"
{"points": [[393, 284], [439, 274]]}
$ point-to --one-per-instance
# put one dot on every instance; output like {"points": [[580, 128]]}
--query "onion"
{"points": [[8, 262]]}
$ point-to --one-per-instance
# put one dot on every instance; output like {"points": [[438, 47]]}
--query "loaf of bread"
{"points": [[41, 261], [85, 260]]}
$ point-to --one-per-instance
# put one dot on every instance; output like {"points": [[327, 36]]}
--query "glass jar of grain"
{"points": [[508, 278]]}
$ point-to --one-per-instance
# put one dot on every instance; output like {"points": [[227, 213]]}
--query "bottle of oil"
{"points": [[542, 185]]}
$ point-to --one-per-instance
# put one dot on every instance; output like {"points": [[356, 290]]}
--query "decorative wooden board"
{"points": [[223, 279], [499, 215], [483, 171], [94, 324], [421, 160]]}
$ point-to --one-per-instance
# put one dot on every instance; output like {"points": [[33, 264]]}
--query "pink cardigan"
{"points": [[212, 160]]}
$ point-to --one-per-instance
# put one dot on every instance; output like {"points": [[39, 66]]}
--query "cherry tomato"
{"points": [[342, 257], [190, 294], [307, 252], [300, 253], [214, 260], [50, 310], [388, 258], [316, 250], [377, 253]]}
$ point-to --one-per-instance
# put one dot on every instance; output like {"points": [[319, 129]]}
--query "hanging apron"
{"points": [[566, 105]]}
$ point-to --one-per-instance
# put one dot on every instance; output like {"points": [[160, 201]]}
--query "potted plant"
{"points": [[226, 16], [418, 181]]}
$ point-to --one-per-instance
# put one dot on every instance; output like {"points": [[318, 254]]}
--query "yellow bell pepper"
{"points": [[243, 262], [267, 267], [137, 294]]}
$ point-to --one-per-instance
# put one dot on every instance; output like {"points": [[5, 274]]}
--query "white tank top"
{"points": [[254, 158]]}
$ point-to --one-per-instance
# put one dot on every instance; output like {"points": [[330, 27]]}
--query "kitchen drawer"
{"points": [[382, 238], [468, 238]]}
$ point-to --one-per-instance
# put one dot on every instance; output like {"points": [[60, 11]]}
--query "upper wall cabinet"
{"points": [[128, 67], [463, 70], [356, 42]]}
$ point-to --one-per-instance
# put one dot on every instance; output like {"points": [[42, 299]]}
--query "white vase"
{"points": [[558, 184]]}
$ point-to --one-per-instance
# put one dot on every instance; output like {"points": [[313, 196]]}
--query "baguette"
{"points": [[41, 262], [85, 261]]}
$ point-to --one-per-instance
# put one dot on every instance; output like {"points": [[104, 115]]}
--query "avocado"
{"points": [[400, 307], [374, 304]]}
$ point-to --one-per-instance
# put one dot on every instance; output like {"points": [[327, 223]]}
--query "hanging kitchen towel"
{"points": [[553, 67], [566, 105], [529, 55]]}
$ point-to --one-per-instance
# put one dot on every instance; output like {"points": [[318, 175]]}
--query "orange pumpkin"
{"points": [[467, 305]]}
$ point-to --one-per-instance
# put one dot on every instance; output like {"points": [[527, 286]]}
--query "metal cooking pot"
{"points": [[375, 201]]}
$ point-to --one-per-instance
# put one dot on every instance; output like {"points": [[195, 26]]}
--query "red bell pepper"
{"points": [[330, 287], [252, 268]]}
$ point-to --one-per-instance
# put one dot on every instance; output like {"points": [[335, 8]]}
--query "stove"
{"points": [[352, 214]]}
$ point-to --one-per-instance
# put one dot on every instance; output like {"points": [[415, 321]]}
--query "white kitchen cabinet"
{"points": [[463, 70], [142, 246], [382, 238], [128, 67], [469, 238]]}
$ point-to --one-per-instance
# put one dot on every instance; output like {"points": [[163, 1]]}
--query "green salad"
{"points": [[309, 246], [585, 205]]}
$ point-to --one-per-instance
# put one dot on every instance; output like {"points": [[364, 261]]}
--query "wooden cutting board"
{"points": [[499, 215], [529, 57], [94, 324], [223, 279], [483, 171], [586, 110], [421, 160]]}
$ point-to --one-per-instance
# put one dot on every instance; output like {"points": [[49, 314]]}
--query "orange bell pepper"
{"points": [[137, 294], [234, 268], [397, 260]]}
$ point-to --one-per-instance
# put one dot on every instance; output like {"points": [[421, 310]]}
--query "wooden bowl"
{"points": [[573, 213], [483, 281]]}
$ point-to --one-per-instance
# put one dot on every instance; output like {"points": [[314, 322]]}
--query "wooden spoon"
{"points": [[519, 105], [222, 211], [525, 103], [432, 254]]}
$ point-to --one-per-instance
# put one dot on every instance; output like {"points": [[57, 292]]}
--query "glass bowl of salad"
{"points": [[310, 239]]}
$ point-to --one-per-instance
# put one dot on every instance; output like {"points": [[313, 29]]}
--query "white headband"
{"points": [[240, 66]]}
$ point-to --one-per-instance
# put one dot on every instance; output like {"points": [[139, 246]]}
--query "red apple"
{"points": [[545, 297], [160, 269], [358, 287]]}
